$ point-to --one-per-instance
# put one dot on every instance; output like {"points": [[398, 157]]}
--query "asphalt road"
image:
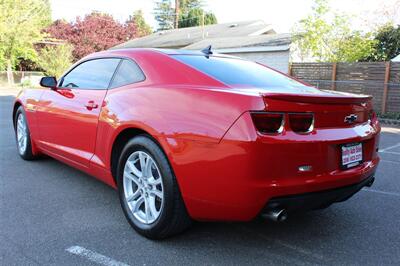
{"points": [[51, 214]]}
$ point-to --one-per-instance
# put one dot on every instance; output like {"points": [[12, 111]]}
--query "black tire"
{"points": [[173, 217], [26, 153]]}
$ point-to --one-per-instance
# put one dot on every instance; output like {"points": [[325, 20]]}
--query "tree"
{"points": [[142, 28], [95, 32], [196, 17], [191, 13], [210, 18], [354, 48], [387, 43], [54, 60], [21, 22], [164, 14], [326, 36], [386, 13], [187, 5]]}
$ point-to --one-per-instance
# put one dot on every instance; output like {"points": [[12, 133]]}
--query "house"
{"points": [[396, 59], [254, 40]]}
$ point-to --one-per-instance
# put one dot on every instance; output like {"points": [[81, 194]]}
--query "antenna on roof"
{"points": [[207, 51]]}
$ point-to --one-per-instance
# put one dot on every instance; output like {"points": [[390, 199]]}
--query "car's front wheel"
{"points": [[22, 135], [148, 190]]}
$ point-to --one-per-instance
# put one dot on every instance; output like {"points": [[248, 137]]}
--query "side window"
{"points": [[92, 74], [128, 72]]}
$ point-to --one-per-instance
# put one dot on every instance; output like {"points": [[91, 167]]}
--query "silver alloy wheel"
{"points": [[22, 134], [143, 187]]}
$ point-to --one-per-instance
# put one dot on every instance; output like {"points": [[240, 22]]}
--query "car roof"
{"points": [[180, 52], [164, 51]]}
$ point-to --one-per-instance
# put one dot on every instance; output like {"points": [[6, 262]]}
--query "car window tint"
{"points": [[92, 74], [241, 73], [128, 72]]}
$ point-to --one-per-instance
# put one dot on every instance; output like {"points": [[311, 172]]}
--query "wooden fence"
{"points": [[379, 79]]}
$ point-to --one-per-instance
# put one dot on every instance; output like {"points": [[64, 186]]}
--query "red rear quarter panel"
{"points": [[177, 105]]}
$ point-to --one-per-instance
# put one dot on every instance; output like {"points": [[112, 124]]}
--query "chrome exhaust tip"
{"points": [[369, 184], [276, 215]]}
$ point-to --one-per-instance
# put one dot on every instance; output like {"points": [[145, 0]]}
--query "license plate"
{"points": [[351, 155]]}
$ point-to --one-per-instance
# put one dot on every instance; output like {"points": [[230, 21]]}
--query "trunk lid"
{"points": [[331, 109], [321, 98]]}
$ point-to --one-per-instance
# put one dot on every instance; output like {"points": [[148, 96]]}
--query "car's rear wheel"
{"points": [[22, 135], [148, 190]]}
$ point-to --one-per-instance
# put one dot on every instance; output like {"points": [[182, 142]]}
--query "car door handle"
{"points": [[91, 105]]}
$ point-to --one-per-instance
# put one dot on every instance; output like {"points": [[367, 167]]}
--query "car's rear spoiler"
{"points": [[328, 98]]}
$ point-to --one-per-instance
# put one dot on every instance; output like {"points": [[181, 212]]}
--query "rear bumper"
{"points": [[316, 200], [237, 177]]}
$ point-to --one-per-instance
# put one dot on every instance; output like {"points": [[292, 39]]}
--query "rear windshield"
{"points": [[240, 73]]}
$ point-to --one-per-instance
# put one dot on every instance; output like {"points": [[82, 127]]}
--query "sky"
{"points": [[282, 14]]}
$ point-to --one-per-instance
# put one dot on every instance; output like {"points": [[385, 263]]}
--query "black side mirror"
{"points": [[48, 82]]}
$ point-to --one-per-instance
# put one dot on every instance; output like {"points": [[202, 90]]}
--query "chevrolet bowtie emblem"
{"points": [[350, 118]]}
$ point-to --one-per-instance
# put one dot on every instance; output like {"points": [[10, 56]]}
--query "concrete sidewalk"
{"points": [[9, 91]]}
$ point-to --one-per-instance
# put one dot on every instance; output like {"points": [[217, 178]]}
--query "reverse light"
{"points": [[305, 168], [301, 123], [372, 115], [268, 123]]}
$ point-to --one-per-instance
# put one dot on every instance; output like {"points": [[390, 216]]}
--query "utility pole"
{"points": [[176, 14]]}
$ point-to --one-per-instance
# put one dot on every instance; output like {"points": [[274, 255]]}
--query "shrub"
{"points": [[54, 60], [390, 115]]}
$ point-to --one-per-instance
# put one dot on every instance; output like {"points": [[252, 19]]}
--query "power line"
{"points": [[191, 18], [122, 16], [89, 11]]}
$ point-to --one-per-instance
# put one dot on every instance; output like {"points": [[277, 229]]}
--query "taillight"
{"points": [[301, 122], [268, 123], [372, 115]]}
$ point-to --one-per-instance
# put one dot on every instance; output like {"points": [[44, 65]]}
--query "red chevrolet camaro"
{"points": [[199, 136]]}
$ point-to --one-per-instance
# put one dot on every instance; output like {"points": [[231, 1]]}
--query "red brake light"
{"points": [[301, 122], [268, 123]]}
